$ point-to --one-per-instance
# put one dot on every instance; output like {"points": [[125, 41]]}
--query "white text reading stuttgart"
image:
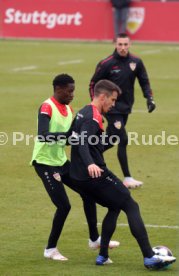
{"points": [[49, 20]]}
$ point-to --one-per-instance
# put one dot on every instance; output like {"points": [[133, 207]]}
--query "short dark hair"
{"points": [[122, 35], [106, 87], [62, 80]]}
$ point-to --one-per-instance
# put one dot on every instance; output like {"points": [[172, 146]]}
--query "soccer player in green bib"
{"points": [[52, 166]]}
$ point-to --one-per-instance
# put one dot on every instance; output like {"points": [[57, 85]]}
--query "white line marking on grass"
{"points": [[76, 61], [166, 78], [36, 73], [149, 52], [26, 68], [153, 226], [148, 225], [172, 48], [156, 51]]}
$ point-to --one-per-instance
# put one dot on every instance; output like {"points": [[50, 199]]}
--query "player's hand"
{"points": [[94, 171], [150, 104]]}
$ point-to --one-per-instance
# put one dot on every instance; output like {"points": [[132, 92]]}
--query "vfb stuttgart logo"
{"points": [[135, 19]]}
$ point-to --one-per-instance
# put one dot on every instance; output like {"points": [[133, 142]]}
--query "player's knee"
{"points": [[123, 140], [65, 207], [68, 207], [135, 205], [130, 205]]}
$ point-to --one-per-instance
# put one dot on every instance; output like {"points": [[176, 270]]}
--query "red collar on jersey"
{"points": [[97, 116], [61, 107]]}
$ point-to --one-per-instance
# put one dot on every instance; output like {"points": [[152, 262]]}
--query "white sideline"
{"points": [[17, 69], [165, 78], [70, 62], [36, 73], [170, 48], [148, 225], [148, 52]]}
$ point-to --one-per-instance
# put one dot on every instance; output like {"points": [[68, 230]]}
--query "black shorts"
{"points": [[107, 191], [53, 178]]}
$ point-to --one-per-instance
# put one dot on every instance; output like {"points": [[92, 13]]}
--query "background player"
{"points": [[123, 68]]}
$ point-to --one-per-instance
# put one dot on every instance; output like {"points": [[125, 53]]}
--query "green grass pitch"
{"points": [[27, 69]]}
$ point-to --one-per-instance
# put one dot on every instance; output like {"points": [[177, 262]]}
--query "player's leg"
{"points": [[116, 196], [137, 227], [108, 228], [138, 230], [124, 15], [116, 127], [90, 211], [55, 189], [110, 193], [128, 181], [89, 206], [122, 151], [116, 20]]}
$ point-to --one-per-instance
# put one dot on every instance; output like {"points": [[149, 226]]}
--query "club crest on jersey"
{"points": [[57, 176], [132, 65], [135, 19], [117, 124]]}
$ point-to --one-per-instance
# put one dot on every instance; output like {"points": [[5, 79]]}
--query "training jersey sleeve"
{"points": [[100, 73], [46, 109], [144, 80], [88, 129]]}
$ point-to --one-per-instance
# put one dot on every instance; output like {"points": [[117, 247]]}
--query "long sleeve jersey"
{"points": [[123, 71], [87, 147]]}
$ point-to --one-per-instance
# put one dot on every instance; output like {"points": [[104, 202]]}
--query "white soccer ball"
{"points": [[162, 250]]}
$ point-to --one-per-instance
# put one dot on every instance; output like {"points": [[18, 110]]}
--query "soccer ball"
{"points": [[162, 250]]}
